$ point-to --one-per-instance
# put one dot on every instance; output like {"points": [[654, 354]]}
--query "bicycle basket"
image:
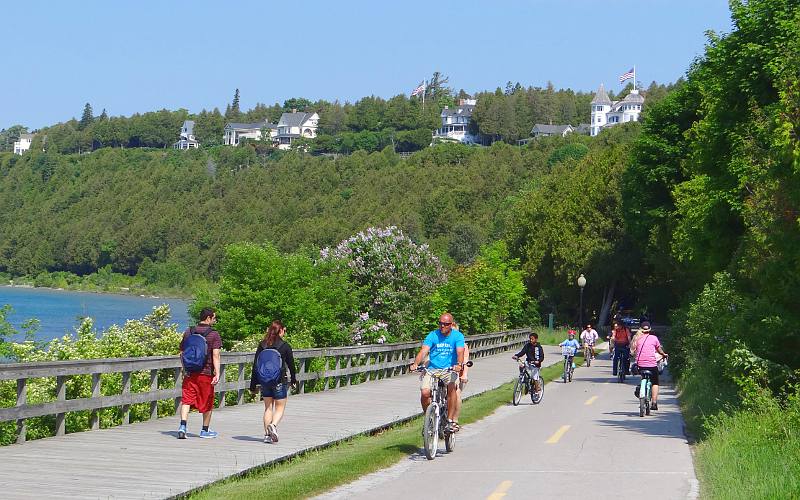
{"points": [[567, 350]]}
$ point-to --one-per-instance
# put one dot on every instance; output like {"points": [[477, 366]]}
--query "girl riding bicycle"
{"points": [[645, 347]]}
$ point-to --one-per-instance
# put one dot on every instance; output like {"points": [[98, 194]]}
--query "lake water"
{"points": [[58, 311]]}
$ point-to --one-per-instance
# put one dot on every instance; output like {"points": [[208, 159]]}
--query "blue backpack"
{"points": [[269, 367], [195, 352]]}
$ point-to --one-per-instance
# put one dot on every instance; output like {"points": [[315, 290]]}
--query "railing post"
{"points": [[94, 416], [221, 381], [301, 371], [324, 373], [335, 368], [61, 395], [22, 399], [240, 379], [178, 385], [126, 389], [347, 364], [153, 387]]}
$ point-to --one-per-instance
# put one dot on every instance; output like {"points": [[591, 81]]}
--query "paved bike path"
{"points": [[606, 452], [145, 460]]}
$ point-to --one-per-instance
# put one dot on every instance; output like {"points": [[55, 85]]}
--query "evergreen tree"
{"points": [[87, 118]]}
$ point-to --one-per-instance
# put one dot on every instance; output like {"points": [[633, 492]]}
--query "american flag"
{"points": [[626, 76], [419, 89]]}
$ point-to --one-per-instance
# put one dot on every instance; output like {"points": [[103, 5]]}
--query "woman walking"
{"points": [[273, 357]]}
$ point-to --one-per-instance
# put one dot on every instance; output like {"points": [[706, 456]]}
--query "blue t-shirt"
{"points": [[443, 348]]}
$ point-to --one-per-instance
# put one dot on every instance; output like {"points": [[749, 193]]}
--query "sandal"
{"points": [[453, 426]]}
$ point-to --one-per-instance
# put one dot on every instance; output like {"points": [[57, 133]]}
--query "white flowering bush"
{"points": [[395, 276], [151, 336]]}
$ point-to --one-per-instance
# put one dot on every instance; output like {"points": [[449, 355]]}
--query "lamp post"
{"points": [[581, 284]]}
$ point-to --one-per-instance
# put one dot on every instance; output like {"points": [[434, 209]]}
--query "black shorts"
{"points": [[653, 373]]}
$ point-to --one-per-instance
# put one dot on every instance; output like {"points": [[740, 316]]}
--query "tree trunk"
{"points": [[608, 297]]}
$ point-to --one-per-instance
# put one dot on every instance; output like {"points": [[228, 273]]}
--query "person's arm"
{"points": [[520, 353], [253, 381], [459, 360], [465, 368], [423, 351], [290, 364], [215, 361]]}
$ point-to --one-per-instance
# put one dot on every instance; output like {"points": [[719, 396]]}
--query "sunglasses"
{"points": [[444, 324]]}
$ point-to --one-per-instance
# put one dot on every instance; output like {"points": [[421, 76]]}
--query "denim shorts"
{"points": [[279, 391]]}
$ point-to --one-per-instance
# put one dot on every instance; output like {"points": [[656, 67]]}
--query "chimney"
{"points": [[294, 110]]}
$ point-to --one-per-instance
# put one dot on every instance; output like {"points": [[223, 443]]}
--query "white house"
{"points": [[187, 140], [455, 122], [234, 132], [23, 144], [607, 113], [294, 125]]}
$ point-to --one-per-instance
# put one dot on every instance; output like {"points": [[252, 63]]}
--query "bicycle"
{"points": [[587, 353], [525, 384], [622, 363], [645, 388], [434, 423], [569, 354]]}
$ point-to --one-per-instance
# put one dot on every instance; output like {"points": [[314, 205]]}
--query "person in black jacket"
{"points": [[275, 396], [534, 355]]}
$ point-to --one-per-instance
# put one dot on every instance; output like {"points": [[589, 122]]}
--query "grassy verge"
{"points": [[318, 471], [752, 453]]}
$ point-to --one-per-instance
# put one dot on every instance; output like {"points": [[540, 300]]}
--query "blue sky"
{"points": [[130, 57]]}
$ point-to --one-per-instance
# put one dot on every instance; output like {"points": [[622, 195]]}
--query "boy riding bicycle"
{"points": [[534, 355], [571, 342]]}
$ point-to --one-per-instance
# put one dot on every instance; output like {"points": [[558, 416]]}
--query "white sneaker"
{"points": [[267, 439], [273, 432]]}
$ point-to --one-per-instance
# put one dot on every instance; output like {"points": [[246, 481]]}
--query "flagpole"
{"points": [[634, 77], [424, 89]]}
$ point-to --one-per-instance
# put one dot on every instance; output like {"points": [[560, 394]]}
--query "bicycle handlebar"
{"points": [[423, 369]]}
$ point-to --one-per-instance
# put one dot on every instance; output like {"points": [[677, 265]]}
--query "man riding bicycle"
{"points": [[445, 347], [621, 338], [589, 338], [534, 355]]}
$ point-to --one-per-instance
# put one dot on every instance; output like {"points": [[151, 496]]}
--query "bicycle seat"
{"points": [[646, 372]]}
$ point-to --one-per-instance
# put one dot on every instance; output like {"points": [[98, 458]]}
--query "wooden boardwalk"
{"points": [[145, 460]]}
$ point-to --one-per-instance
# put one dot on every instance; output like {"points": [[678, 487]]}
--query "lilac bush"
{"points": [[395, 277]]}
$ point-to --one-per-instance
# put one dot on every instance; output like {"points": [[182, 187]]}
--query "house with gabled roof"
{"points": [[295, 125], [542, 130], [607, 113], [456, 121], [187, 139], [23, 143], [234, 132]]}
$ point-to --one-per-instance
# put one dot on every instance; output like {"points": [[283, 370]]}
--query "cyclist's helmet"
{"points": [[571, 333]]}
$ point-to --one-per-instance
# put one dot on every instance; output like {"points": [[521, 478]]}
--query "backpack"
{"points": [[269, 367], [195, 351]]}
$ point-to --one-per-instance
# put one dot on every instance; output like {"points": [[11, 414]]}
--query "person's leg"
{"points": [[458, 403], [626, 359], [617, 361], [425, 398], [277, 414], [452, 401], [207, 418], [654, 395], [185, 411], [267, 414]]}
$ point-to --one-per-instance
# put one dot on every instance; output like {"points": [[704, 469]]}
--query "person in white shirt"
{"points": [[589, 338]]}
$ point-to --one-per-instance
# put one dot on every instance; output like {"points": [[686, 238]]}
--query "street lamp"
{"points": [[581, 284]]}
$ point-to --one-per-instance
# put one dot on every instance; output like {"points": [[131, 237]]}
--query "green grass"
{"points": [[752, 454], [318, 471]]}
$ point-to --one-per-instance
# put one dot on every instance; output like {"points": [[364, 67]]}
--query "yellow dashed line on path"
{"points": [[591, 400], [500, 491], [559, 433]]}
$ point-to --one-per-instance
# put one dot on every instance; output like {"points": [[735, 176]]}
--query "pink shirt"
{"points": [[646, 350]]}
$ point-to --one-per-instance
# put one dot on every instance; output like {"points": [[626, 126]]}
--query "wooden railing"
{"points": [[317, 369]]}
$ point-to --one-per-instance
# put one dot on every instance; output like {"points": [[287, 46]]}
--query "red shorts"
{"points": [[198, 392]]}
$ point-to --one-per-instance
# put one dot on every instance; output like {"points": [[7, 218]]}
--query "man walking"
{"points": [[200, 350]]}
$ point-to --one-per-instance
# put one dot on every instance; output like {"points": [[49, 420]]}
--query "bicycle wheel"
{"points": [[430, 431], [571, 370], [621, 374], [566, 369], [449, 441], [641, 407], [537, 398], [587, 355], [518, 388]]}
